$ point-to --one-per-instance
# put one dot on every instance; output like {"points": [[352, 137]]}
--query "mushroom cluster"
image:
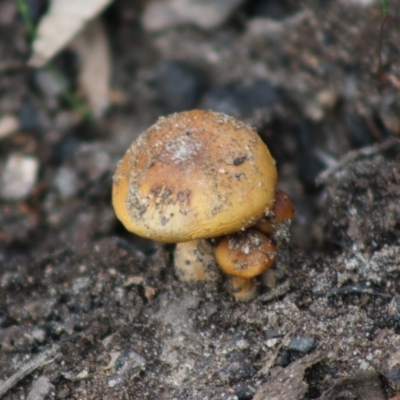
{"points": [[200, 175]]}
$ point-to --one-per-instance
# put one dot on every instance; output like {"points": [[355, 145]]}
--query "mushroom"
{"points": [[243, 256], [281, 212], [192, 176]]}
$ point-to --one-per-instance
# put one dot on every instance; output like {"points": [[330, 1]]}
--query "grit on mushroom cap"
{"points": [[194, 175]]}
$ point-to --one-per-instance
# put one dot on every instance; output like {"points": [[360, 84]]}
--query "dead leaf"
{"points": [[365, 386], [62, 22], [93, 51], [288, 383]]}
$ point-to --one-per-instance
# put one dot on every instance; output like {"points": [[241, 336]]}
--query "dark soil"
{"points": [[89, 311]]}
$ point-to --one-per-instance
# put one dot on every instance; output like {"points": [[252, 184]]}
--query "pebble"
{"points": [[301, 344], [39, 335], [49, 84], [204, 14], [8, 125], [114, 382], [243, 392], [18, 176], [66, 182], [242, 344], [237, 368], [129, 362], [84, 374], [40, 389], [271, 342], [28, 115], [393, 308]]}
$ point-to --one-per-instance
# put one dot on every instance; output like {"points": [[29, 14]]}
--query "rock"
{"points": [[18, 176], [8, 125], [301, 344], [66, 182], [40, 389], [243, 392]]}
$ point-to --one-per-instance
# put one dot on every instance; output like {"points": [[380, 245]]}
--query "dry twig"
{"points": [[354, 155], [41, 360]]}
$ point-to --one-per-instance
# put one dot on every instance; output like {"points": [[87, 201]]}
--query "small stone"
{"points": [[66, 182], [18, 177], [8, 125], [28, 115], [48, 83], [242, 344], [271, 342], [129, 362], [364, 365], [82, 375], [39, 335], [301, 344], [114, 382], [243, 392], [40, 389]]}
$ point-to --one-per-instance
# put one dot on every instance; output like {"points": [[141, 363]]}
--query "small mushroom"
{"points": [[281, 212], [245, 255], [192, 176]]}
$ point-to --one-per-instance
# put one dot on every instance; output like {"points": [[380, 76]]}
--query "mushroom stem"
{"points": [[243, 289], [194, 261]]}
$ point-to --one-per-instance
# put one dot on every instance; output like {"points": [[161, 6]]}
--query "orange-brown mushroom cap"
{"points": [[283, 210], [245, 254], [194, 175]]}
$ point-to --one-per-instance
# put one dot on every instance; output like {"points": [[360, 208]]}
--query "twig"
{"points": [[42, 359], [351, 290], [353, 155], [275, 293], [269, 361], [380, 42]]}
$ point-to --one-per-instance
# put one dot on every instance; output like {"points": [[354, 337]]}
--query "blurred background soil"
{"points": [[89, 311]]}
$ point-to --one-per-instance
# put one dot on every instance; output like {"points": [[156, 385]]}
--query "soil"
{"points": [[90, 311]]}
